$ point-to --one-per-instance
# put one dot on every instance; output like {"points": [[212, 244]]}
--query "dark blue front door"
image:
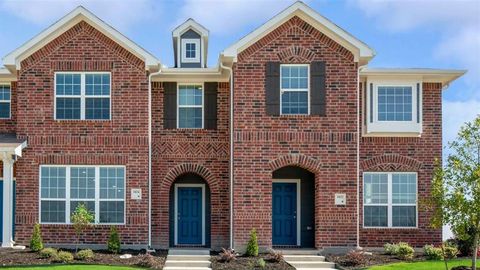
{"points": [[284, 220], [189, 216]]}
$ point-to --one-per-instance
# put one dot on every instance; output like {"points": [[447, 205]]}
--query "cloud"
{"points": [[230, 16], [119, 13], [455, 114]]}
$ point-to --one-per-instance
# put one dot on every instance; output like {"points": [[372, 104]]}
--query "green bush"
{"points": [[252, 246], [261, 263], [36, 243], [450, 251], [64, 257], [390, 249], [433, 253], [113, 243], [48, 253], [85, 255], [405, 251]]}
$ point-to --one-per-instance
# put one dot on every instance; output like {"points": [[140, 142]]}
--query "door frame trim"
{"points": [[299, 213], [176, 211]]}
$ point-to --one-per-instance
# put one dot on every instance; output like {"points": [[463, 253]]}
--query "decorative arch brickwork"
{"points": [[299, 160], [296, 54], [184, 168], [391, 163]]}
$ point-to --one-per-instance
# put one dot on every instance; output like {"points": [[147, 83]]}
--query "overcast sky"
{"points": [[407, 33]]}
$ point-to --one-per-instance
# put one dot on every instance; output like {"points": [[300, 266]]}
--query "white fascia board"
{"points": [[190, 24], [360, 50], [444, 76], [6, 76], [79, 14], [188, 75]]}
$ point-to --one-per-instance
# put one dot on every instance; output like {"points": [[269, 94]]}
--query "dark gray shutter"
{"points": [[211, 105], [170, 105], [272, 88], [317, 89]]}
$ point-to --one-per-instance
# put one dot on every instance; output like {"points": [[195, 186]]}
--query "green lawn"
{"points": [[71, 267], [426, 265]]}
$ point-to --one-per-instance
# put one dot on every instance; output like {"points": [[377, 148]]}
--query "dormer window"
{"points": [[190, 50]]}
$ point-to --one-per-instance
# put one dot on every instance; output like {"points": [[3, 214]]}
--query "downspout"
{"points": [[359, 123], [231, 152], [149, 248]]}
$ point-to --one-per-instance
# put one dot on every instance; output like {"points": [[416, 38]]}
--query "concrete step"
{"points": [[188, 257], [305, 258], [187, 264], [312, 265], [301, 251], [186, 251]]}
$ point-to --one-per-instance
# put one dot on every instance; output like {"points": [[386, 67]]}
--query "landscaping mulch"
{"points": [[139, 258], [249, 263], [370, 260]]}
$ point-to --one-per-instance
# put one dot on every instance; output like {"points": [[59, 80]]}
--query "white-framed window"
{"points": [[82, 95], [294, 89], [5, 101], [100, 188], [190, 109], [191, 50], [390, 199], [394, 107]]}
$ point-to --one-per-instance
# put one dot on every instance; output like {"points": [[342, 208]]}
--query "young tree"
{"points": [[455, 194], [81, 219]]}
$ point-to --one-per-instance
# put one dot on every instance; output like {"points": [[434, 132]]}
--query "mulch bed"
{"points": [[370, 260], [139, 258], [249, 263]]}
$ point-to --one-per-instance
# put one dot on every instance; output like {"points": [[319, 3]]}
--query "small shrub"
{"points": [[261, 263], [450, 251], [85, 255], [405, 251], [275, 256], [252, 246], [64, 257], [354, 258], [113, 243], [48, 253], [433, 253], [147, 261], [36, 243], [227, 255], [390, 249]]}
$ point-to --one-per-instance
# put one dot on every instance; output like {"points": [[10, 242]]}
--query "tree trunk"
{"points": [[475, 248]]}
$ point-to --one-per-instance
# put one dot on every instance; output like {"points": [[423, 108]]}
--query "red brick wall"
{"points": [[120, 141], [324, 145], [411, 155], [199, 151]]}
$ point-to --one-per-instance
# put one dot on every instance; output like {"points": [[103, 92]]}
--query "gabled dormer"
{"points": [[190, 44]]}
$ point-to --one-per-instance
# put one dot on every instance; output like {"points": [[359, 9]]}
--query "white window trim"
{"points": [[82, 96], [299, 205], [393, 127], [195, 41], [191, 106], [295, 90], [390, 203], [67, 198], [7, 101], [176, 211]]}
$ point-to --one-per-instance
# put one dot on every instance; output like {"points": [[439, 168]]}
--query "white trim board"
{"points": [[175, 216], [299, 208]]}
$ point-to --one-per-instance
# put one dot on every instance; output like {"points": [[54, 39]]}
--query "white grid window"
{"points": [[190, 50], [190, 106], [294, 89], [5, 101], [395, 103], [100, 188], [82, 95], [390, 199]]}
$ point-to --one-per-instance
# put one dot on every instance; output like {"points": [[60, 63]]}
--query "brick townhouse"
{"points": [[291, 133]]}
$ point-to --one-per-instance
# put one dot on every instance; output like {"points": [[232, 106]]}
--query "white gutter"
{"points": [[231, 152], [150, 157], [359, 121]]}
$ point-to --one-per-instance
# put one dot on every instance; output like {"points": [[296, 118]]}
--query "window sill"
{"points": [[393, 129], [390, 228]]}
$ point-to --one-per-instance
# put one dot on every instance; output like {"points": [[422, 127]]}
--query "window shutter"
{"points": [[272, 88], [170, 105], [318, 89], [211, 105]]}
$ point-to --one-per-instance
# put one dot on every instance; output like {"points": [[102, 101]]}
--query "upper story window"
{"points": [[82, 95], [294, 89], [100, 188], [393, 107], [5, 101], [390, 199], [191, 50], [190, 106]]}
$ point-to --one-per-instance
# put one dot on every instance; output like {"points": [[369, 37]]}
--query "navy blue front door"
{"points": [[284, 219], [189, 216]]}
